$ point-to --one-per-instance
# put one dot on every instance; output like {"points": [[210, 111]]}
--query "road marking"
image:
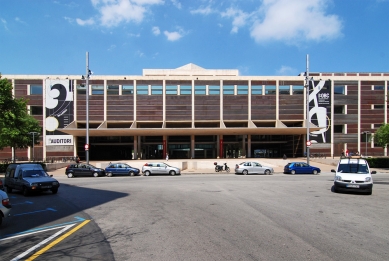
{"points": [[43, 250], [33, 212], [22, 203], [41, 229]]}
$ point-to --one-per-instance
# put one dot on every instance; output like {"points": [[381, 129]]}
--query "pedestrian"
{"points": [[346, 152], [167, 157], [77, 159], [342, 154]]}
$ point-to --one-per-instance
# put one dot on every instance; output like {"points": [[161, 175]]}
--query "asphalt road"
{"points": [[225, 217]]}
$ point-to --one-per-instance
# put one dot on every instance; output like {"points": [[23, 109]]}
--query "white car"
{"points": [[252, 167], [5, 206], [353, 175]]}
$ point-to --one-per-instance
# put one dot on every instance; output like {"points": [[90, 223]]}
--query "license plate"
{"points": [[46, 187], [352, 186]]}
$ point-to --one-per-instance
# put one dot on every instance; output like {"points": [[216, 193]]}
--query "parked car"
{"points": [[5, 206], [121, 169], [83, 170], [160, 168], [353, 175], [251, 167], [29, 178], [300, 168]]}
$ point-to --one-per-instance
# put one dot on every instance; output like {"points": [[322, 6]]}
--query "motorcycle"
{"points": [[219, 168]]}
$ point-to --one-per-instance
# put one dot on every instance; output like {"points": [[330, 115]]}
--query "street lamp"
{"points": [[33, 133], [307, 120], [366, 132], [88, 74]]}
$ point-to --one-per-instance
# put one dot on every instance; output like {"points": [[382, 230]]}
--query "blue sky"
{"points": [[257, 37]]}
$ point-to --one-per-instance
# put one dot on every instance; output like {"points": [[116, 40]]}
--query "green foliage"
{"points": [[15, 121], [378, 162], [381, 137]]}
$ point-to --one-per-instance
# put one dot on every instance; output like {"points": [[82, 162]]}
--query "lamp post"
{"points": [[366, 132], [88, 73], [33, 133], [307, 120]]}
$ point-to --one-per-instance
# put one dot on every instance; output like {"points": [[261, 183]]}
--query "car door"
{"points": [[305, 168], [122, 169], [257, 168], [162, 168]]}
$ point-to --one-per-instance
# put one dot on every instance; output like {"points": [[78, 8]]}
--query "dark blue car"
{"points": [[121, 169], [300, 168]]}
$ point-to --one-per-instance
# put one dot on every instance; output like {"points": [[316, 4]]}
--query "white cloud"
{"points": [[17, 19], [81, 22], [114, 12], [176, 3], [156, 30], [112, 47], [286, 70], [239, 18], [202, 10], [4, 22], [294, 21], [173, 36]]}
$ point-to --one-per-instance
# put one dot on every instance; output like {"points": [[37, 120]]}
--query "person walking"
{"points": [[167, 157]]}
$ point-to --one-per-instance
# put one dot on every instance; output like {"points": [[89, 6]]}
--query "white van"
{"points": [[353, 174]]}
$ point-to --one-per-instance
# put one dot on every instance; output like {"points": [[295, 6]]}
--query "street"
{"points": [[232, 217]]}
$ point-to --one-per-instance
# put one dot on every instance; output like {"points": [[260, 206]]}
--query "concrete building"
{"points": [[192, 112]]}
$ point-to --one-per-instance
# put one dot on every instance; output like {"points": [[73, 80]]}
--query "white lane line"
{"points": [[42, 243]]}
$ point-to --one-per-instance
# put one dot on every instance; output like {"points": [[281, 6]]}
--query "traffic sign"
{"points": [[86, 146], [309, 143]]}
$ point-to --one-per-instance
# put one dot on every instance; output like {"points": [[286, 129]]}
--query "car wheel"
{"points": [[292, 172], [267, 172], [315, 172], [70, 175], [245, 172], [25, 191], [109, 174], [9, 190], [216, 169], [95, 174], [132, 173], [172, 172], [54, 191], [228, 169], [147, 173]]}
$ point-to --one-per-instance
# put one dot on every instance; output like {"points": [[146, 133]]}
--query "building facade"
{"points": [[192, 112]]}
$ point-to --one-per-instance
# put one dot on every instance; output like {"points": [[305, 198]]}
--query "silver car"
{"points": [[251, 167], [160, 168]]}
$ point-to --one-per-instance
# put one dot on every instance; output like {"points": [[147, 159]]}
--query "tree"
{"points": [[15, 121], [381, 137]]}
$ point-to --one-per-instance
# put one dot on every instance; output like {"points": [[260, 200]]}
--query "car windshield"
{"points": [[34, 173], [353, 168]]}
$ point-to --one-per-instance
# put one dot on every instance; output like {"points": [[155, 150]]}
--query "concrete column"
{"points": [[135, 147], [249, 146], [192, 146]]}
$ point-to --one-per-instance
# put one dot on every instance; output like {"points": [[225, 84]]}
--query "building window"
{"points": [[243, 90], [256, 89], [127, 89], [339, 89], [81, 89], [378, 87], [378, 106], [200, 89], [142, 89], [171, 89], [339, 109], [112, 89], [36, 110], [270, 89], [36, 89], [156, 90], [284, 89], [298, 89], [97, 89], [185, 89], [228, 89], [214, 89], [339, 129]]}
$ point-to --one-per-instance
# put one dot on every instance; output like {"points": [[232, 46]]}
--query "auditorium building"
{"points": [[192, 112]]}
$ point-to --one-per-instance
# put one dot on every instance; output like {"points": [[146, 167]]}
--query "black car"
{"points": [[121, 169], [83, 170], [29, 178]]}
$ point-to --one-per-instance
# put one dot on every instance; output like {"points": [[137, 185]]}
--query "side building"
{"points": [[192, 112]]}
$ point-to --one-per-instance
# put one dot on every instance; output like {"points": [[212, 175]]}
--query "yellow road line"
{"points": [[40, 252]]}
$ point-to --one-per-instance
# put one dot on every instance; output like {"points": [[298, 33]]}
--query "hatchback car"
{"points": [[160, 168], [29, 178], [251, 167], [5, 206], [121, 169], [83, 170], [300, 168]]}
